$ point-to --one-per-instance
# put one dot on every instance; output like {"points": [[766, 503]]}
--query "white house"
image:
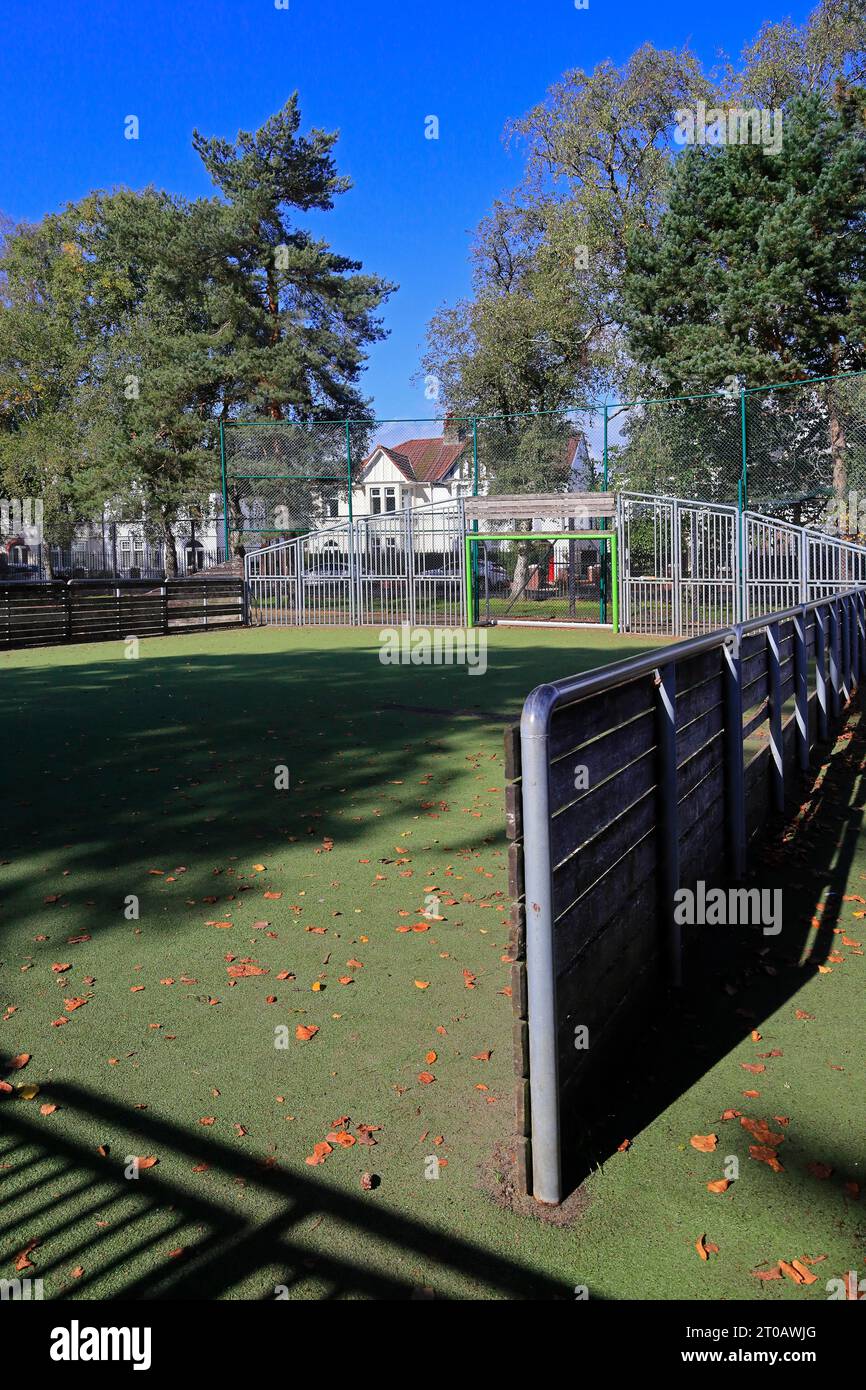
{"points": [[430, 469]]}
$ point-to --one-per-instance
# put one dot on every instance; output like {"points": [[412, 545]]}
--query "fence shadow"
{"points": [[229, 1245]]}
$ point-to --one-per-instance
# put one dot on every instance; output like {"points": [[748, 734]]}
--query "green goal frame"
{"points": [[607, 537]]}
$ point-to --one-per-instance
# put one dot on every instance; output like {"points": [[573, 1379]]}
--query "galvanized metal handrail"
{"points": [[535, 724]]}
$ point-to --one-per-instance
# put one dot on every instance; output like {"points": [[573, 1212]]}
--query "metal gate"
{"points": [[380, 571], [680, 565]]}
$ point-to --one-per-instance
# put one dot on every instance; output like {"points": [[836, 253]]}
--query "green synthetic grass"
{"points": [[117, 769]]}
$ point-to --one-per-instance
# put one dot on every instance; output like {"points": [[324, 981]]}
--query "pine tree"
{"points": [[756, 272]]}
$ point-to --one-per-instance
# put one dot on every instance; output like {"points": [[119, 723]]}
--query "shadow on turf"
{"points": [[118, 761], [228, 1247], [735, 977]]}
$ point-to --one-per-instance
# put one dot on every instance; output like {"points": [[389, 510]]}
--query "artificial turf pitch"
{"points": [[154, 779]]}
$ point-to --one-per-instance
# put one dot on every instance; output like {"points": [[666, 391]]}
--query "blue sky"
{"points": [[72, 70]]}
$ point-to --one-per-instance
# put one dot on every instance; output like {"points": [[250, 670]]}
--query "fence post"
{"points": [[853, 645], [245, 593], [409, 543], [801, 688], [835, 682], [734, 784], [668, 837], [540, 960], [845, 664], [744, 463], [774, 672], [821, 671], [67, 611], [676, 565], [163, 594], [225, 488], [353, 579], [804, 566]]}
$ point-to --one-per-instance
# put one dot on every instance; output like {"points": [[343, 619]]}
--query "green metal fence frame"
{"points": [[282, 477], [608, 408], [472, 537]]}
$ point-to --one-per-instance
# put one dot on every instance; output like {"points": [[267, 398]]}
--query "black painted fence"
{"points": [[51, 614], [682, 754]]}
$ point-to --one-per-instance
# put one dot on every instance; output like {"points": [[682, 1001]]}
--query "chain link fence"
{"points": [[792, 451], [795, 450]]}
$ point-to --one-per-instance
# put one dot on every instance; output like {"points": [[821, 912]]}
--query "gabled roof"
{"points": [[421, 460], [431, 460]]}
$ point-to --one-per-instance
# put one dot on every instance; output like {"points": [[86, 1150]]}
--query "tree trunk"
{"points": [[169, 546], [235, 523], [46, 567], [838, 450], [519, 578]]}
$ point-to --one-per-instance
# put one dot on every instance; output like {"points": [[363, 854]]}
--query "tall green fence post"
{"points": [[742, 497], [614, 580], [470, 588], [351, 541], [745, 449], [225, 490]]}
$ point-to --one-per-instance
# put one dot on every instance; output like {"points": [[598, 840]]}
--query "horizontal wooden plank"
{"points": [[694, 702], [754, 666], [695, 670], [694, 735], [702, 847], [612, 895], [602, 758], [610, 1041], [589, 817], [514, 811], [707, 758], [516, 886], [576, 874], [574, 725], [755, 720], [697, 802], [542, 504]]}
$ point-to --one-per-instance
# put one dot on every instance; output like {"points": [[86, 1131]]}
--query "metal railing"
{"points": [[690, 566], [672, 796], [398, 567], [44, 563]]}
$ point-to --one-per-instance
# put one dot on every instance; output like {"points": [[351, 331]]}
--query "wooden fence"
{"points": [[41, 615], [628, 784]]}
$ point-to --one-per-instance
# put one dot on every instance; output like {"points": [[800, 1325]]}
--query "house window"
{"points": [[382, 499], [131, 552], [331, 508]]}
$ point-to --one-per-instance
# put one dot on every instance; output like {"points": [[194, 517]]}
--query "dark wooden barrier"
{"points": [[648, 779], [44, 615]]}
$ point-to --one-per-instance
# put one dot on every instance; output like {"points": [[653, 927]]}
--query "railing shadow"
{"points": [[229, 1246]]}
